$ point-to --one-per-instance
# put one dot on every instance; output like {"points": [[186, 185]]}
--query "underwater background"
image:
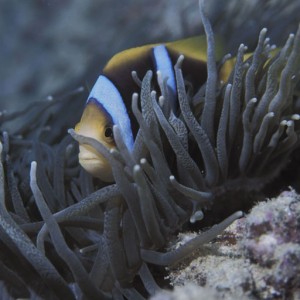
{"points": [[50, 46]]}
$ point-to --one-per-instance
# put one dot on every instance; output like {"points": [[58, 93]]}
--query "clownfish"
{"points": [[109, 101]]}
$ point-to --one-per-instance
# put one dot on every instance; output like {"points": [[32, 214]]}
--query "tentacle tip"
{"points": [[172, 178], [71, 131], [150, 73], [143, 161], [283, 122], [116, 130], [161, 98], [240, 214], [153, 93], [267, 40], [161, 101], [80, 89], [179, 61], [136, 168], [271, 114], [197, 216], [33, 167], [50, 98], [264, 30]]}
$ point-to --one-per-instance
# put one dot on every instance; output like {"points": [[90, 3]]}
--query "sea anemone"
{"points": [[64, 235]]}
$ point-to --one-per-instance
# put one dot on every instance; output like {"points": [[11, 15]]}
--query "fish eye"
{"points": [[108, 133]]}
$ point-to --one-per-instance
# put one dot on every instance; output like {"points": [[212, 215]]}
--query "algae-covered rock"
{"points": [[257, 257]]}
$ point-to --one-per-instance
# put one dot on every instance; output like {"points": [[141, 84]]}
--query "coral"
{"points": [[271, 224], [272, 241], [187, 292], [256, 257]]}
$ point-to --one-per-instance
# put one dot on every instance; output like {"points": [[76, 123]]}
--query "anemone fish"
{"points": [[109, 101]]}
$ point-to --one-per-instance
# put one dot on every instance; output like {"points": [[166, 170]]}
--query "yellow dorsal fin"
{"points": [[195, 47]]}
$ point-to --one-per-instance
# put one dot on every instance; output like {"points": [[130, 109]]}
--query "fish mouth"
{"points": [[89, 158], [94, 163]]}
